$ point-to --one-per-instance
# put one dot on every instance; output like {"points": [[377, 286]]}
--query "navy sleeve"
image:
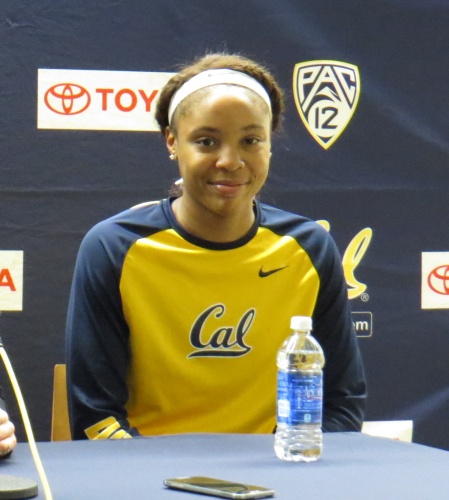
{"points": [[97, 350], [344, 377]]}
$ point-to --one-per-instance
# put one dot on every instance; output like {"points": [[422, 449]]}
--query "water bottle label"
{"points": [[300, 398]]}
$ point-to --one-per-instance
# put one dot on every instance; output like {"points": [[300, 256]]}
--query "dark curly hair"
{"points": [[221, 61]]}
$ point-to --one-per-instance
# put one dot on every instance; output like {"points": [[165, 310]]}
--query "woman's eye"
{"points": [[205, 141], [252, 140]]}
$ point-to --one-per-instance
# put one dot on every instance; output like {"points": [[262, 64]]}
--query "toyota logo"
{"points": [[67, 99], [438, 280]]}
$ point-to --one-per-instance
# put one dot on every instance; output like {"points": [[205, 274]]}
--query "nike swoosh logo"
{"points": [[264, 274]]}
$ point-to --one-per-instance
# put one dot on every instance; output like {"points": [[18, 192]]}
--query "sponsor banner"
{"points": [[11, 280], [363, 323], [352, 257], [326, 96], [98, 100], [435, 280]]}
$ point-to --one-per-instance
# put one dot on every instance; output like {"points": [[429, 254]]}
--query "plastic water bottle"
{"points": [[300, 395]]}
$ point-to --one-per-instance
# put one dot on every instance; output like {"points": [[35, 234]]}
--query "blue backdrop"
{"points": [[387, 171]]}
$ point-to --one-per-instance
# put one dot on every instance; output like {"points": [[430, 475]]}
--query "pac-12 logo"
{"points": [[326, 96]]}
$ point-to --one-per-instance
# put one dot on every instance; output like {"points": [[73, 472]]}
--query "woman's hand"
{"points": [[8, 439]]}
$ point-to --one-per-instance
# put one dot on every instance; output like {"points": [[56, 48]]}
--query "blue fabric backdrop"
{"points": [[387, 171]]}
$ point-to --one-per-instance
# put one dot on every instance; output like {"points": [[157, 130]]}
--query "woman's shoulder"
{"points": [[290, 222], [128, 225], [313, 236]]}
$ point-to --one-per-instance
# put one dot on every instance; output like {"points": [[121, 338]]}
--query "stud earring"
{"points": [[172, 156]]}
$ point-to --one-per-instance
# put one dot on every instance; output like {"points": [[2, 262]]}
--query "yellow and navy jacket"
{"points": [[168, 333]]}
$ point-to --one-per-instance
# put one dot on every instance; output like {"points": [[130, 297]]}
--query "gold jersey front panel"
{"points": [[205, 326]]}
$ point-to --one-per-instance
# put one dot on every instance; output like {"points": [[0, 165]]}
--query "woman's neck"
{"points": [[211, 226]]}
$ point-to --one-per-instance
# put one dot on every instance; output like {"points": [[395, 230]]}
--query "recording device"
{"points": [[218, 487]]}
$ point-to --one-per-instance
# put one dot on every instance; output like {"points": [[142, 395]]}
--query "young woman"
{"points": [[179, 306]]}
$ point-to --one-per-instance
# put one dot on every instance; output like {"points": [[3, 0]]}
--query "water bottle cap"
{"points": [[301, 323]]}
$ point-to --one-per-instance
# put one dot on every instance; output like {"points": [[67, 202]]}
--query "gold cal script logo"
{"points": [[352, 257], [326, 96]]}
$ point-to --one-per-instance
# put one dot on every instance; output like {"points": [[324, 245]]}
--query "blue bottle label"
{"points": [[300, 398]]}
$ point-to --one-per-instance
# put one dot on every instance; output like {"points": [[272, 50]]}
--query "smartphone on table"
{"points": [[218, 487]]}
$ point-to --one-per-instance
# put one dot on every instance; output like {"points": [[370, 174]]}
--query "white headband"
{"points": [[216, 77]]}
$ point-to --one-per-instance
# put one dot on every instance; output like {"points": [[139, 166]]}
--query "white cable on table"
{"points": [[26, 422]]}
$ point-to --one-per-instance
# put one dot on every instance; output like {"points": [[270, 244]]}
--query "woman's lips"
{"points": [[228, 188]]}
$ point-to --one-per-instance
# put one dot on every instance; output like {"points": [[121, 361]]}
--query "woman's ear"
{"points": [[170, 142]]}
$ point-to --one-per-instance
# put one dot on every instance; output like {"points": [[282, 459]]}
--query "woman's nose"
{"points": [[229, 158]]}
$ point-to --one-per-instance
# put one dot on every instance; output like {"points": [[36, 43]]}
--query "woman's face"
{"points": [[223, 144]]}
